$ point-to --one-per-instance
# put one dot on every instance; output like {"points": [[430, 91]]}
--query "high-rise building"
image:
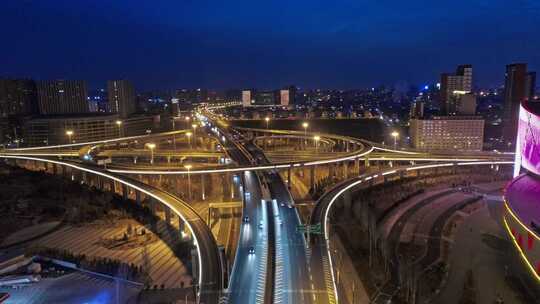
{"points": [[247, 98], [284, 97], [18, 97], [266, 98], [121, 97], [519, 86], [62, 97], [462, 103], [447, 133], [460, 81]]}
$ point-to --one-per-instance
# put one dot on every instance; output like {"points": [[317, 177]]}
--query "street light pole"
{"points": [[174, 135], [305, 125], [316, 138], [119, 124], [188, 134], [188, 167], [151, 146], [194, 126], [395, 135], [69, 133]]}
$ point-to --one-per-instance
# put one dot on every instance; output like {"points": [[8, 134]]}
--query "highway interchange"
{"points": [[274, 262]]}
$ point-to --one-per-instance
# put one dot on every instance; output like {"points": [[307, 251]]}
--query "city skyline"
{"points": [[343, 46]]}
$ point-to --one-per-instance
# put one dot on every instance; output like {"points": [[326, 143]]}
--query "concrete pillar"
{"points": [[100, 183], [312, 176], [203, 193], [55, 168], [138, 197], [181, 225], [125, 193], [357, 166], [366, 162], [167, 215], [346, 169], [112, 186], [289, 178]]}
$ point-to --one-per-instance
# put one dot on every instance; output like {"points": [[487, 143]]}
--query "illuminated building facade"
{"points": [[522, 196]]}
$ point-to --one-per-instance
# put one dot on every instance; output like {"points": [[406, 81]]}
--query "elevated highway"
{"points": [[208, 269]]}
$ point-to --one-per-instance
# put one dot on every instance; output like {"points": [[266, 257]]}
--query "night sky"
{"points": [[266, 44]]}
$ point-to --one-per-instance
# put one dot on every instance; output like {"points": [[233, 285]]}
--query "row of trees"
{"points": [[96, 264]]}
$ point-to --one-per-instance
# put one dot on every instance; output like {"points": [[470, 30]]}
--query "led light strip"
{"points": [[127, 184], [521, 253], [106, 141], [367, 178]]}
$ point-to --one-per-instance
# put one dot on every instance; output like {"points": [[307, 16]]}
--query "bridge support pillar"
{"points": [[112, 186], [357, 166], [203, 193], [55, 168], [100, 183], [125, 193], [366, 162], [181, 228], [167, 215], [134, 159], [289, 182], [346, 169], [138, 197], [84, 178], [312, 177]]}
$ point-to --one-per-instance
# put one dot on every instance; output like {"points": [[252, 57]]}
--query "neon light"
{"points": [[516, 218], [521, 253]]}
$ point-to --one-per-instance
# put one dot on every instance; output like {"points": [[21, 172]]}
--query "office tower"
{"points": [[462, 103], [460, 81], [417, 109], [266, 98], [121, 97], [62, 97], [519, 87], [18, 97], [284, 97], [448, 133], [247, 98]]}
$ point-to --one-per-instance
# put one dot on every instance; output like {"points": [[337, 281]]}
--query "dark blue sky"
{"points": [[265, 44]]}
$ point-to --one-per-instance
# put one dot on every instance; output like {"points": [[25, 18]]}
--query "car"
{"points": [[290, 206], [282, 204], [251, 250], [261, 225], [246, 219]]}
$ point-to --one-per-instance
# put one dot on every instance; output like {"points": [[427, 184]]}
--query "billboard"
{"points": [[528, 141]]}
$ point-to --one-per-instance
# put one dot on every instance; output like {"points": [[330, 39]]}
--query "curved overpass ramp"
{"points": [[209, 263]]}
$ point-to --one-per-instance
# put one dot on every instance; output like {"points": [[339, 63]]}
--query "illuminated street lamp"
{"points": [[70, 133], [151, 146], [188, 134], [267, 119], [119, 124], [316, 138], [395, 135], [194, 126], [305, 125], [188, 167]]}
